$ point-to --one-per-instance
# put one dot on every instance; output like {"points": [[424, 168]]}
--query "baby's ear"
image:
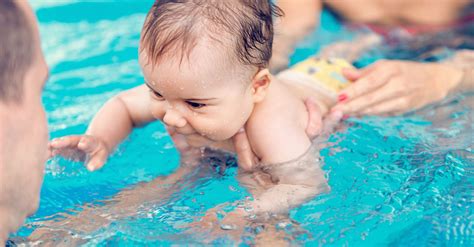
{"points": [[260, 83]]}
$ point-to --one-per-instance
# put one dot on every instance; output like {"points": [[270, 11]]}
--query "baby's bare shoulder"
{"points": [[281, 107], [276, 128]]}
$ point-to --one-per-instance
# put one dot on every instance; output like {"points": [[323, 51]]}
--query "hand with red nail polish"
{"points": [[342, 97], [394, 87]]}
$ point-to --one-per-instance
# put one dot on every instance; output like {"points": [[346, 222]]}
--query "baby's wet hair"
{"points": [[173, 27]]}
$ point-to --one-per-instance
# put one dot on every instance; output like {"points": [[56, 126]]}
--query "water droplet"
{"points": [[281, 225], [228, 227]]}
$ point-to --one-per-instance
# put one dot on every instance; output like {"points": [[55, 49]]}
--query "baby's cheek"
{"points": [[157, 110], [223, 132], [205, 127]]}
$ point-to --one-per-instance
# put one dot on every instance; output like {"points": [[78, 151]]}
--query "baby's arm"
{"points": [[110, 126], [291, 183], [115, 120], [279, 136]]}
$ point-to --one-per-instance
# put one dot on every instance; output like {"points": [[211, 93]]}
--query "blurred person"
{"points": [[23, 128], [391, 86]]}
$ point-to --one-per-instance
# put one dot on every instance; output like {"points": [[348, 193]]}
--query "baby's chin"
{"points": [[197, 140]]}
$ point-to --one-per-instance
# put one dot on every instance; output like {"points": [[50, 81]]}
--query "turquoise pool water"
{"points": [[402, 181]]}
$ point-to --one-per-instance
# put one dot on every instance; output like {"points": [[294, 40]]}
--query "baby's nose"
{"points": [[174, 119]]}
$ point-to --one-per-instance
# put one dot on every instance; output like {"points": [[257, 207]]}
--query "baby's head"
{"points": [[206, 61]]}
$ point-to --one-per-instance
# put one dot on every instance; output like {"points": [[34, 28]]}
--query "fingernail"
{"points": [[342, 97]]}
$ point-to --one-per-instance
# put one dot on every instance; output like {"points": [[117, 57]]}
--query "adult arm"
{"points": [[300, 18]]}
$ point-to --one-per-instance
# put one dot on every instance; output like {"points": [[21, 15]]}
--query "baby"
{"points": [[205, 65]]}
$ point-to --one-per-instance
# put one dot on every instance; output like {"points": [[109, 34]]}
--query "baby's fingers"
{"points": [[88, 144], [65, 142], [96, 151], [314, 118], [67, 148], [97, 160], [245, 156]]}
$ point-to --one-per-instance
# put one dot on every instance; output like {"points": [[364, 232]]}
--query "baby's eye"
{"points": [[156, 94], [195, 105]]}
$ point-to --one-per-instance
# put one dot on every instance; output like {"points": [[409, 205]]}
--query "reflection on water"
{"points": [[399, 181], [405, 180]]}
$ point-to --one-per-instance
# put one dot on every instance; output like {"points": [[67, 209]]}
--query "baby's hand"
{"points": [[88, 149]]}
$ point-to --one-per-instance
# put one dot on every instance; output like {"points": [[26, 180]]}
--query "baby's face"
{"points": [[204, 97]]}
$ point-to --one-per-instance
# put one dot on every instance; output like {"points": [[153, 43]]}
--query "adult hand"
{"points": [[316, 126], [394, 87]]}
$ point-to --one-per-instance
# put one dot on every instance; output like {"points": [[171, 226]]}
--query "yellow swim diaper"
{"points": [[325, 75]]}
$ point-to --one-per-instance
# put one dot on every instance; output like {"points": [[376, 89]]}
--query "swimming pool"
{"points": [[402, 181]]}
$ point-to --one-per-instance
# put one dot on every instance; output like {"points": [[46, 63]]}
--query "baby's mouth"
{"points": [[185, 131], [197, 140], [196, 135]]}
